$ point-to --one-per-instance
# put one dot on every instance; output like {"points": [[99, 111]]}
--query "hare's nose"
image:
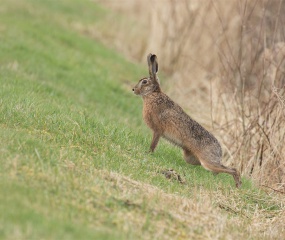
{"points": [[133, 89]]}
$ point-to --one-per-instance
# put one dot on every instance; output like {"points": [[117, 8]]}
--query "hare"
{"points": [[168, 120]]}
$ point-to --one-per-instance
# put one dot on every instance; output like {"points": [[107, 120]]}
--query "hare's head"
{"points": [[149, 84]]}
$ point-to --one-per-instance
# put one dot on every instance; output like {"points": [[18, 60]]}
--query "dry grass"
{"points": [[200, 217], [224, 58]]}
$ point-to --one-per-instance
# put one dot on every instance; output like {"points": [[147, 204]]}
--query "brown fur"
{"points": [[168, 120]]}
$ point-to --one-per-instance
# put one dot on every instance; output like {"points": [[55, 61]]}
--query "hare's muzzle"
{"points": [[136, 91]]}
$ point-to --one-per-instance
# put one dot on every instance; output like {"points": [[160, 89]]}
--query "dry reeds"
{"points": [[250, 108]]}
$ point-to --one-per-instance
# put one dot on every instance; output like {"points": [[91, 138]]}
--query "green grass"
{"points": [[69, 122]]}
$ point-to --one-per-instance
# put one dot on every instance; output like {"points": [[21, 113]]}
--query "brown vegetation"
{"points": [[176, 217], [225, 57]]}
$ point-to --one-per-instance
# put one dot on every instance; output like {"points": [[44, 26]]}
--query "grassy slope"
{"points": [[71, 130]]}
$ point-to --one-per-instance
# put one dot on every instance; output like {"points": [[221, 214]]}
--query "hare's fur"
{"points": [[168, 120]]}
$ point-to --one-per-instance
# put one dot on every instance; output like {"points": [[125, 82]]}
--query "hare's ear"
{"points": [[152, 66]]}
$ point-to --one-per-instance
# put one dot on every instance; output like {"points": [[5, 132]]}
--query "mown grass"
{"points": [[71, 130]]}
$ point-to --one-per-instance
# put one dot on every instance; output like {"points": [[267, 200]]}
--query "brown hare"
{"points": [[168, 120]]}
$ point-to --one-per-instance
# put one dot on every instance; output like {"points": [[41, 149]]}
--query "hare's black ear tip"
{"points": [[152, 57]]}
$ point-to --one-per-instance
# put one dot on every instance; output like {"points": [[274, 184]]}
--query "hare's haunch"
{"points": [[168, 120]]}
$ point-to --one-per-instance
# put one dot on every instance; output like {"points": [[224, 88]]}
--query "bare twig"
{"points": [[275, 190]]}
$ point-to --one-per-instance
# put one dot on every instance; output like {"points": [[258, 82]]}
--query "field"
{"points": [[74, 161]]}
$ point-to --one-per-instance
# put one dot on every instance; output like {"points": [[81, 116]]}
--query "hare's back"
{"points": [[181, 128]]}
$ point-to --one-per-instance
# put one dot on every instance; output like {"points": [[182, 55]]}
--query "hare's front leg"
{"points": [[154, 142]]}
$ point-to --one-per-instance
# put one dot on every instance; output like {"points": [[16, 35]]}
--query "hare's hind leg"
{"points": [[217, 167], [190, 158]]}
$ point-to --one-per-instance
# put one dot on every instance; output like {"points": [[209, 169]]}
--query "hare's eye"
{"points": [[144, 81]]}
